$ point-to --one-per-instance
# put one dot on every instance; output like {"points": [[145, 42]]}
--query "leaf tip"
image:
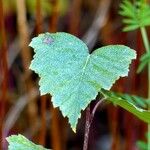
{"points": [[74, 130]]}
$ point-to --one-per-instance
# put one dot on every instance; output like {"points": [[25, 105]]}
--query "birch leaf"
{"points": [[73, 76]]}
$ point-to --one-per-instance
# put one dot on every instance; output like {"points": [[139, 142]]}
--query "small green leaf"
{"points": [[144, 60], [142, 145], [142, 66], [130, 27], [19, 142], [127, 9], [128, 105], [145, 56], [73, 76]]}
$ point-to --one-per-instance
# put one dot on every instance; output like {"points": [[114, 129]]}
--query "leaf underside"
{"points": [[19, 142], [73, 76]]}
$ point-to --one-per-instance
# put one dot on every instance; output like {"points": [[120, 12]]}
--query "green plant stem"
{"points": [[145, 39], [147, 47]]}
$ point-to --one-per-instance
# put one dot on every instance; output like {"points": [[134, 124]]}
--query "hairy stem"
{"points": [[147, 47], [89, 119]]}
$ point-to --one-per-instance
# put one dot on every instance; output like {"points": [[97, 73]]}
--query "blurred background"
{"points": [[23, 111]]}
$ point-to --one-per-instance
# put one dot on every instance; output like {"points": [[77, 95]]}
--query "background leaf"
{"points": [[136, 14], [128, 103], [142, 145], [144, 60], [19, 142], [73, 76]]}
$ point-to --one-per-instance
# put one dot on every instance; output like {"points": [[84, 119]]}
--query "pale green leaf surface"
{"points": [[129, 105], [73, 76], [19, 142]]}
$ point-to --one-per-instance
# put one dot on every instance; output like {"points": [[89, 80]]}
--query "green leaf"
{"points": [[140, 101], [134, 99], [73, 76], [145, 56], [142, 145], [19, 142], [135, 14], [142, 66], [144, 60], [130, 28], [129, 105]]}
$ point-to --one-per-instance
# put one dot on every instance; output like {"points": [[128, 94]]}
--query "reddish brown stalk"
{"points": [[55, 130], [4, 70], [42, 139], [75, 17], [113, 116], [39, 29], [54, 17], [129, 131], [39, 17]]}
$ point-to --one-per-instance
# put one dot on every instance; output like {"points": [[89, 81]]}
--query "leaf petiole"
{"points": [[89, 119]]}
